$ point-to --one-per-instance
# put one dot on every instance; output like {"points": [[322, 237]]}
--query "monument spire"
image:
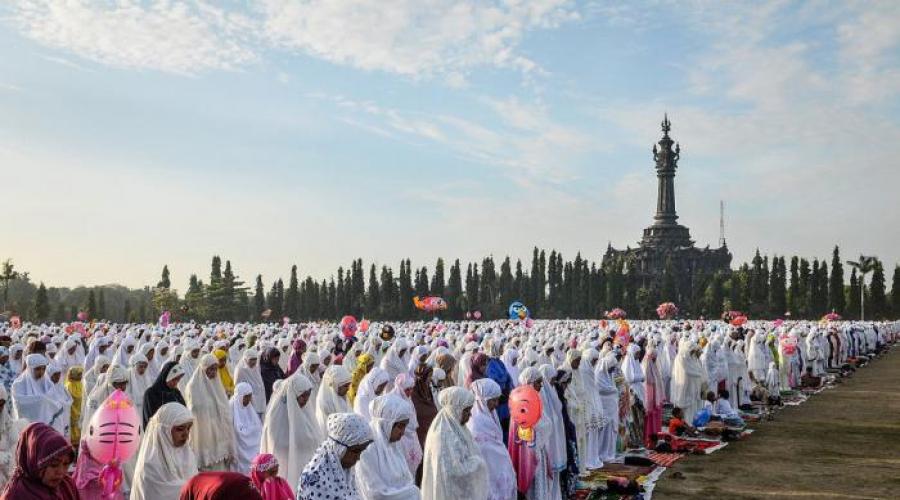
{"points": [[665, 229]]}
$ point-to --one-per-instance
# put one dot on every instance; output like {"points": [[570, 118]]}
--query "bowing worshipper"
{"points": [[382, 472], [284, 355], [139, 380], [7, 374], [247, 427], [585, 409], [269, 370], [556, 449], [93, 374], [16, 361], [364, 363], [164, 390], [477, 368], [412, 449], [453, 466], [116, 378], [75, 387], [531, 460], [247, 372], [372, 386], [609, 401], [219, 486], [10, 428], [63, 422], [32, 396], [419, 356], [687, 379], [43, 457], [486, 432], [264, 474], [654, 394], [212, 438], [224, 373], [311, 368], [425, 405], [290, 431], [165, 461], [328, 476], [332, 396], [299, 348]]}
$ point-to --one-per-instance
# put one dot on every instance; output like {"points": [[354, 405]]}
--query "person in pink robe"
{"points": [[264, 474], [655, 394], [87, 477]]}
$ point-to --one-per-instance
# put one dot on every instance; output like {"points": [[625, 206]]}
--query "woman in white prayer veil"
{"points": [[609, 398], [123, 354], [139, 381], [488, 435], [114, 378], [310, 367], [634, 373], [290, 431], [328, 476], [212, 437], [62, 422], [99, 347], [69, 355], [394, 362], [374, 384], [558, 454], [247, 371], [382, 472], [585, 409], [10, 428], [332, 397], [165, 461], [687, 379], [92, 375], [247, 427], [32, 396], [510, 358], [453, 467]]}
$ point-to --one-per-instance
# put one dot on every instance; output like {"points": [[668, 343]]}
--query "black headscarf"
{"points": [[160, 393], [270, 371]]}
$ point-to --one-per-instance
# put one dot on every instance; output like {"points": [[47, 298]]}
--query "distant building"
{"points": [[666, 256]]}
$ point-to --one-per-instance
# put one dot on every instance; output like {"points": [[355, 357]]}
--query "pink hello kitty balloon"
{"points": [[114, 433]]}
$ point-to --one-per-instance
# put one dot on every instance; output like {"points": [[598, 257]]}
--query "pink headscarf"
{"points": [[272, 488]]}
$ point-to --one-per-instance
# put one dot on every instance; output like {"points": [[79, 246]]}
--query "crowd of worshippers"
{"points": [[401, 412]]}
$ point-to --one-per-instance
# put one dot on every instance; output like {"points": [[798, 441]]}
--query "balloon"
{"points": [[348, 326], [15, 322], [430, 304], [113, 437], [529, 323], [476, 314], [387, 333], [525, 410], [468, 314], [517, 310], [82, 316], [364, 325], [164, 319]]}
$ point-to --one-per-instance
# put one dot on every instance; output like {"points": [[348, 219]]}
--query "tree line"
{"points": [[551, 287]]}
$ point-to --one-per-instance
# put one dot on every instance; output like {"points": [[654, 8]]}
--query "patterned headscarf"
{"points": [[324, 477]]}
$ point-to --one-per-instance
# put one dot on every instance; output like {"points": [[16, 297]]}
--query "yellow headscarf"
{"points": [[224, 375], [76, 390], [364, 363]]}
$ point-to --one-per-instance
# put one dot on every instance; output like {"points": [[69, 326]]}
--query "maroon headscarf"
{"points": [[219, 486], [478, 371], [39, 445], [296, 357]]}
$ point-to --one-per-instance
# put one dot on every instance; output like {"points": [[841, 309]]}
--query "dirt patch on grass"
{"points": [[843, 443]]}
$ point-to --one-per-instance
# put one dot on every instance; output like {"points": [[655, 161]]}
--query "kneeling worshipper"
{"points": [[43, 457], [219, 486], [247, 427], [32, 396], [165, 461], [332, 396], [10, 428], [212, 438], [264, 474], [453, 467], [488, 435], [328, 476], [531, 459], [290, 431], [164, 390], [382, 473]]}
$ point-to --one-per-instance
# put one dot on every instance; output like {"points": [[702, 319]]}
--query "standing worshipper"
{"points": [[299, 347], [247, 427], [687, 379], [7, 373], [93, 374], [496, 371], [75, 388], [31, 392], [487, 434], [332, 396], [264, 474], [531, 460], [585, 410], [43, 457], [224, 373], [290, 431], [328, 476], [394, 362], [364, 363], [412, 449], [269, 370], [654, 394], [139, 380], [568, 478], [425, 406], [61, 423], [609, 400], [247, 371], [165, 461], [164, 390], [212, 438], [453, 467], [10, 428], [372, 386], [382, 473], [556, 448]]}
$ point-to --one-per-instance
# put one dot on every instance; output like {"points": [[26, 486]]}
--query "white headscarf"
{"points": [[32, 398], [488, 435], [252, 376], [10, 428], [324, 476], [382, 472], [161, 468], [137, 383], [291, 432], [327, 400], [115, 375], [92, 375], [247, 427], [634, 373], [63, 421], [212, 437], [453, 466], [366, 393]]}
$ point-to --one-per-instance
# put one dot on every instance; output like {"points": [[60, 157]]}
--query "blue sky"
{"points": [[136, 134]]}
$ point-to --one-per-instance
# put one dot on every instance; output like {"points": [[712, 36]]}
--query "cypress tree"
{"points": [[794, 301], [836, 299], [421, 282], [876, 295], [292, 295], [59, 314], [406, 292], [895, 293], [41, 308], [164, 282], [778, 287], [373, 296], [101, 304], [126, 312], [259, 298], [92, 305], [814, 290], [357, 299], [505, 284], [803, 289], [853, 305], [454, 291], [437, 281]]}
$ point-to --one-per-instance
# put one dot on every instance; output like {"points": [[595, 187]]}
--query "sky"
{"points": [[135, 134]]}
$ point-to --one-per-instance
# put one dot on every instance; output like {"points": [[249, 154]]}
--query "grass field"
{"points": [[842, 443]]}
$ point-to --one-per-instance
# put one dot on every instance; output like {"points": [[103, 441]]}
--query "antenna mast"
{"points": [[721, 223]]}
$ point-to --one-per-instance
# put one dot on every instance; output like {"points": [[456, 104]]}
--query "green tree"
{"points": [[292, 296], [164, 282], [101, 304], [8, 274], [126, 311], [437, 280], [836, 299], [454, 291], [895, 292], [853, 296], [373, 296], [715, 297], [41, 309], [864, 266], [794, 296], [195, 299], [91, 306], [879, 306], [778, 287]]}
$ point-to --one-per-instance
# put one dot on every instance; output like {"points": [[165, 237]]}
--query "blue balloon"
{"points": [[518, 311]]}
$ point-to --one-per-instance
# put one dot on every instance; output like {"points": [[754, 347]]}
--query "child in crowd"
{"points": [[677, 425], [264, 474]]}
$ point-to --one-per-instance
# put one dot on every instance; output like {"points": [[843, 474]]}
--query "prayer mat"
{"points": [[665, 459]]}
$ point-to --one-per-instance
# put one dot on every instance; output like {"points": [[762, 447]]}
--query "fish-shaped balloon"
{"points": [[114, 435], [430, 304]]}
